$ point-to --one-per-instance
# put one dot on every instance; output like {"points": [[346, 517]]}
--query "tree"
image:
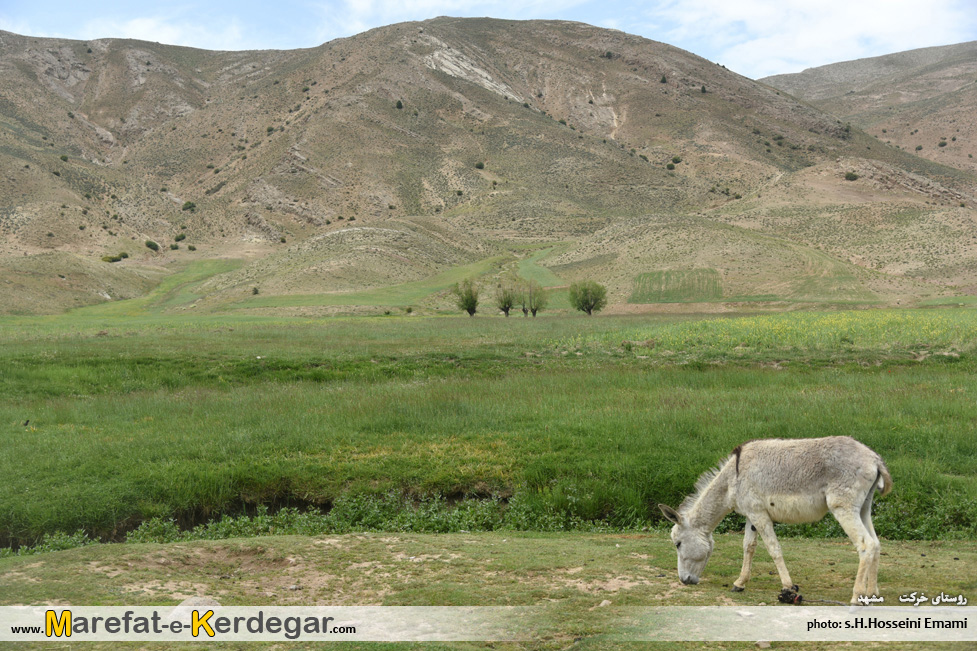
{"points": [[588, 296], [536, 298], [467, 293], [505, 296]]}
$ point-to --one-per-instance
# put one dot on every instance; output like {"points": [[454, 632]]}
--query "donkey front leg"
{"points": [[764, 526], [749, 546]]}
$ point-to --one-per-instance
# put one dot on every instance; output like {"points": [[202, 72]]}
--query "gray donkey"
{"points": [[780, 480]]}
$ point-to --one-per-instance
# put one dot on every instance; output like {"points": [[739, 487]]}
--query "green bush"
{"points": [[676, 159], [467, 296], [152, 245], [851, 176], [189, 205], [588, 296], [111, 258], [174, 246], [670, 166], [479, 165], [400, 104], [180, 237]]}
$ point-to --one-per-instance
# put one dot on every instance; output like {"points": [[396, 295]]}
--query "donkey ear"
{"points": [[669, 513]]}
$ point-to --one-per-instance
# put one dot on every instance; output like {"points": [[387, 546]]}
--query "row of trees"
{"points": [[586, 296]]}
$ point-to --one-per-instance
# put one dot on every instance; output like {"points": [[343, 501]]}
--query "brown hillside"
{"points": [[912, 99], [507, 134]]}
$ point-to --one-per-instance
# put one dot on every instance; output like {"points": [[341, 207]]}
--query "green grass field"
{"points": [[680, 286], [133, 419]]}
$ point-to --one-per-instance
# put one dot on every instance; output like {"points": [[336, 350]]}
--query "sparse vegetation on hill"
{"points": [[566, 164]]}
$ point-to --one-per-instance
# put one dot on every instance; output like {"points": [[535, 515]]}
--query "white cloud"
{"points": [[228, 36], [764, 37]]}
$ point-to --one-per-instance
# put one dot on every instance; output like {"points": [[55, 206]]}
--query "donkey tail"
{"points": [[884, 481]]}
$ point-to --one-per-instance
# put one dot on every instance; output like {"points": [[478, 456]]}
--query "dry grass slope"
{"points": [[508, 134]]}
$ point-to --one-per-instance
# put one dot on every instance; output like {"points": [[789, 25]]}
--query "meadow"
{"points": [[163, 428]]}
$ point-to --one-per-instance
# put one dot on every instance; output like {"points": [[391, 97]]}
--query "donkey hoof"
{"points": [[736, 588]]}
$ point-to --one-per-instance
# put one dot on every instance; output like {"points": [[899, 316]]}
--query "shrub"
{"points": [[180, 237], [282, 239], [676, 160], [254, 291], [942, 143], [505, 297], [703, 89], [400, 104], [65, 158], [174, 246], [467, 296], [664, 80], [189, 205], [459, 192], [479, 165], [111, 258], [670, 166], [851, 176], [588, 296], [535, 297], [919, 147], [191, 248], [152, 245], [123, 255]]}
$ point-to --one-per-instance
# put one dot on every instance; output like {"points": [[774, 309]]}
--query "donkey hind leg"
{"points": [[849, 517], [872, 572], [764, 526], [749, 546]]}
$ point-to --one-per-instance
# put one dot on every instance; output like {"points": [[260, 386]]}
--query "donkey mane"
{"points": [[702, 483]]}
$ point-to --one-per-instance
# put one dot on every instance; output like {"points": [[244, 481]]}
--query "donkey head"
{"points": [[693, 546]]}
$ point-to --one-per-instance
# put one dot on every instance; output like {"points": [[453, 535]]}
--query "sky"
{"points": [[755, 38]]}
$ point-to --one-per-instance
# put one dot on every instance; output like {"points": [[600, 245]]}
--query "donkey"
{"points": [[791, 481]]}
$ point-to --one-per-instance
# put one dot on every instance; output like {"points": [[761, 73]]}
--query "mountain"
{"points": [[915, 99], [377, 170]]}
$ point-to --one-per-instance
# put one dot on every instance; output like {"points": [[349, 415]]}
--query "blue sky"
{"points": [[753, 37]]}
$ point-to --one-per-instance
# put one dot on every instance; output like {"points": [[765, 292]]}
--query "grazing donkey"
{"points": [[779, 480]]}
